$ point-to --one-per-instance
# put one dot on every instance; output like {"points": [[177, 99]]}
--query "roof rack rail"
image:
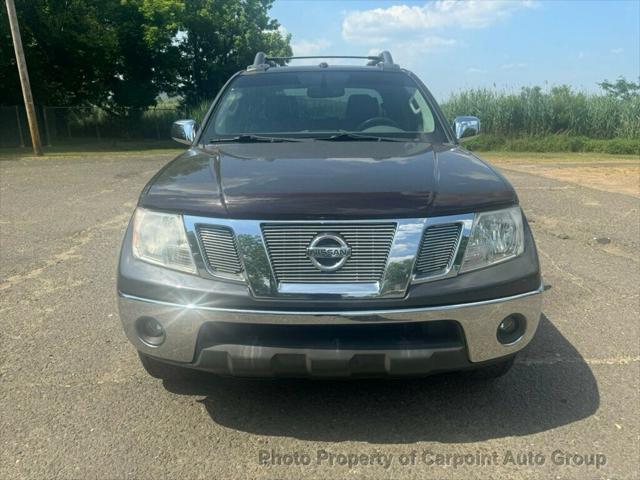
{"points": [[262, 62]]}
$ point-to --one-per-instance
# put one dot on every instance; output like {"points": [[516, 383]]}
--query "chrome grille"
{"points": [[287, 246], [439, 244], [219, 249]]}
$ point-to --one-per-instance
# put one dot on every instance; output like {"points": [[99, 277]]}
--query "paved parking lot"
{"points": [[75, 403]]}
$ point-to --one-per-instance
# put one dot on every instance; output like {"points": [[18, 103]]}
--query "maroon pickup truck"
{"points": [[326, 222]]}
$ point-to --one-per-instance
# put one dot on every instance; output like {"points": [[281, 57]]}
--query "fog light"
{"points": [[508, 325], [511, 329], [150, 331]]}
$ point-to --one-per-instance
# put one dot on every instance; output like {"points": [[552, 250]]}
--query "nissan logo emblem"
{"points": [[328, 252]]}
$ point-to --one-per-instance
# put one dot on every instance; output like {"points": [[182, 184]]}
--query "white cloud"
{"points": [[378, 25], [410, 52], [513, 66], [310, 47], [475, 70], [414, 47], [617, 51], [432, 42]]}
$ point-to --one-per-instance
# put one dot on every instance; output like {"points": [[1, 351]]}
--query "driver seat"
{"points": [[360, 107]]}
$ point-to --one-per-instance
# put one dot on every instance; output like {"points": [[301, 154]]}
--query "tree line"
{"points": [[119, 55]]}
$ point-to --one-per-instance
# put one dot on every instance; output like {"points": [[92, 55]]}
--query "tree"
{"points": [[118, 54], [67, 51], [220, 37], [110, 53], [147, 60], [622, 88]]}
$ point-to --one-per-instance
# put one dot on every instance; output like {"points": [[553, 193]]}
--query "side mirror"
{"points": [[184, 131], [466, 127]]}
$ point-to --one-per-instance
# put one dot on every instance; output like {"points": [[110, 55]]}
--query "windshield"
{"points": [[320, 104]]}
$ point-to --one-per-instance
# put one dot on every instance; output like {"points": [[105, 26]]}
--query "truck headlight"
{"points": [[495, 237], [160, 238]]}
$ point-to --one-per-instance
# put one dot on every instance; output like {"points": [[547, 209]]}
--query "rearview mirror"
{"points": [[466, 127], [325, 92], [184, 131]]}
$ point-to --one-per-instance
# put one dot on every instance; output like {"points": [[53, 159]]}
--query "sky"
{"points": [[453, 45]]}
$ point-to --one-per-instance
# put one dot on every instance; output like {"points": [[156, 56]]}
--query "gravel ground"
{"points": [[75, 403]]}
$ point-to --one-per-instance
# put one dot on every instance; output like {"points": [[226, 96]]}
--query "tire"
{"points": [[164, 371], [494, 370]]}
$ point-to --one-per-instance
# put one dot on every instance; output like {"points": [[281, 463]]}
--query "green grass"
{"points": [[554, 143], [80, 149], [557, 157]]}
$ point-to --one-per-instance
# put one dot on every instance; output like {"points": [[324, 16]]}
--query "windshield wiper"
{"points": [[361, 137], [253, 139]]}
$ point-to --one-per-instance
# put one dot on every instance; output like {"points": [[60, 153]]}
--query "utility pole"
{"points": [[24, 78]]}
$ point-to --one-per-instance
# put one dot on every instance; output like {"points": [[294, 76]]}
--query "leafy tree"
{"points": [[122, 53], [622, 88], [219, 37], [96, 52], [68, 51]]}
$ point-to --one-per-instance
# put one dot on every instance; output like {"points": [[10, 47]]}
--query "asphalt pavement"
{"points": [[75, 403]]}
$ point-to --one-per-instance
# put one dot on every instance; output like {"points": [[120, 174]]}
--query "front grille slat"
{"points": [[219, 249], [438, 246], [370, 246]]}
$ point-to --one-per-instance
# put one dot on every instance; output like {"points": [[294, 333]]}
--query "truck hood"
{"points": [[327, 180]]}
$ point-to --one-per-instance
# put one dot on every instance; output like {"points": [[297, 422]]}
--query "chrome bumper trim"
{"points": [[479, 321]]}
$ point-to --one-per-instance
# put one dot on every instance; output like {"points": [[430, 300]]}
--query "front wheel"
{"points": [[164, 371]]}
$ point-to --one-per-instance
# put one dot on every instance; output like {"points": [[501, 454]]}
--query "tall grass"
{"points": [[534, 112], [199, 111]]}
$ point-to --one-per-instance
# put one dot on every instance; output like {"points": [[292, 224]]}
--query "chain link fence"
{"points": [[86, 125]]}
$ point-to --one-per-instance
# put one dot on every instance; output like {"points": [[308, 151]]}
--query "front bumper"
{"points": [[184, 324]]}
